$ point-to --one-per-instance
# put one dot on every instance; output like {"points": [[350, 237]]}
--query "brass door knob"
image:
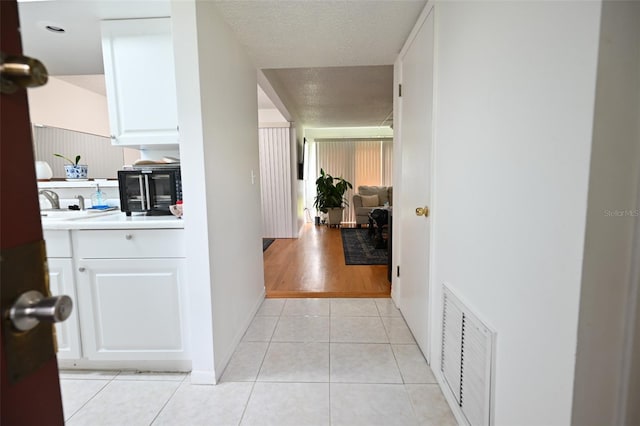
{"points": [[422, 211], [21, 71]]}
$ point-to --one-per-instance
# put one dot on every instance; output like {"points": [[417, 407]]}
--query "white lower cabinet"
{"points": [[129, 298], [131, 309], [67, 332]]}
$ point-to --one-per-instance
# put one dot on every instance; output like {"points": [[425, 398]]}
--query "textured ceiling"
{"points": [[328, 61], [338, 96], [313, 42], [304, 34]]}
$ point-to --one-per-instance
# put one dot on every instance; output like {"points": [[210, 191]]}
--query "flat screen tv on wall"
{"points": [[301, 163]]}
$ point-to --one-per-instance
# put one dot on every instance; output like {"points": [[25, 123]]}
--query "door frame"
{"points": [[631, 353]]}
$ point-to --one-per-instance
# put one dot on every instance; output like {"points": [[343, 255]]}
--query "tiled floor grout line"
{"points": [[94, 395], [265, 354], [167, 401], [255, 380], [393, 353], [395, 358], [246, 403]]}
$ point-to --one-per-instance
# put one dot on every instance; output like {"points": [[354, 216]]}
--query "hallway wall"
{"points": [[515, 88], [218, 116], [67, 106]]}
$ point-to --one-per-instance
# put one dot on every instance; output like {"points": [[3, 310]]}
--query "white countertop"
{"points": [[104, 183], [114, 220]]}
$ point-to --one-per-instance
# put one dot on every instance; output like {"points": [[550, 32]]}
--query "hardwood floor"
{"points": [[313, 266]]}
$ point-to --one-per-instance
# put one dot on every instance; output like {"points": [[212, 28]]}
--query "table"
{"points": [[378, 219], [377, 222]]}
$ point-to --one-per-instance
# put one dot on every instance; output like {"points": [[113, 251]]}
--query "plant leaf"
{"points": [[77, 159], [62, 156]]}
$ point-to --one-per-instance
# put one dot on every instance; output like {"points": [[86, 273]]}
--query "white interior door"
{"points": [[416, 139]]}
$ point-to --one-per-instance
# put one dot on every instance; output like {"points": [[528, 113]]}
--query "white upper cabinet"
{"points": [[140, 81]]}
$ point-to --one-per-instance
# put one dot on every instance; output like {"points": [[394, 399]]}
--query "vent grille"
{"points": [[467, 359], [452, 346]]}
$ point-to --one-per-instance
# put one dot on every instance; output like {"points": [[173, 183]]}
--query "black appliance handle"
{"points": [[141, 192], [146, 186]]}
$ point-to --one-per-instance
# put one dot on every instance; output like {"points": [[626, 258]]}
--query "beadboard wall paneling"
{"points": [[275, 182], [103, 159]]}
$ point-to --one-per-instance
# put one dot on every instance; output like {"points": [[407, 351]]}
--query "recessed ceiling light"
{"points": [[55, 29]]}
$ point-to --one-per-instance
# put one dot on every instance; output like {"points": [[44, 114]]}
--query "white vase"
{"points": [[334, 216], [43, 170]]}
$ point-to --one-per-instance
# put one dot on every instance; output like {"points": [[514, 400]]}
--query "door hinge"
{"points": [[398, 271], [399, 90]]}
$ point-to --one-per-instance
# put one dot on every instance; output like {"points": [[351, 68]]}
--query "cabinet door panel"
{"points": [[136, 309], [67, 332], [140, 81]]}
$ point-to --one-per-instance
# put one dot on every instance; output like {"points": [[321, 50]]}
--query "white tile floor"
{"points": [[302, 362]]}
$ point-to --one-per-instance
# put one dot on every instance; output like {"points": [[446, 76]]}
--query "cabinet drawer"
{"points": [[58, 243], [130, 243]]}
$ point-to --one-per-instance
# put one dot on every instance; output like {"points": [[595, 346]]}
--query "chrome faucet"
{"points": [[52, 197], [80, 201]]}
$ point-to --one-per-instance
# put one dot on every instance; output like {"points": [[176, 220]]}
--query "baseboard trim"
{"points": [[133, 365], [202, 377], [220, 367]]}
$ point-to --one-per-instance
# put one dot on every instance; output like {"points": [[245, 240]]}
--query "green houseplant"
{"points": [[330, 197], [74, 170]]}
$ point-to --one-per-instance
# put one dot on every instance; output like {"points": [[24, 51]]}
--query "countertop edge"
{"points": [[115, 221]]}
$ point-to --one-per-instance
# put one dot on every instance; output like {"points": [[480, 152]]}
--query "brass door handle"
{"points": [[21, 71], [422, 211]]}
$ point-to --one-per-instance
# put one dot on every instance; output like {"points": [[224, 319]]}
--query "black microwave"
{"points": [[150, 190]]}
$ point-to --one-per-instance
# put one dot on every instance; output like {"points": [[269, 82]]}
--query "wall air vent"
{"points": [[467, 359]]}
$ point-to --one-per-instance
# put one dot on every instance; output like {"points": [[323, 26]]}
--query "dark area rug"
{"points": [[359, 248], [266, 242]]}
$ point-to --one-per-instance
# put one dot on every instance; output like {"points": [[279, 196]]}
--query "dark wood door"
{"points": [[29, 396]]}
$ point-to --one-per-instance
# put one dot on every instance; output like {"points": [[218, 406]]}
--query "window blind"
{"points": [[359, 161]]}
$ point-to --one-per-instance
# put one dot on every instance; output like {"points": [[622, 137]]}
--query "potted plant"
{"points": [[330, 197], [74, 170]]}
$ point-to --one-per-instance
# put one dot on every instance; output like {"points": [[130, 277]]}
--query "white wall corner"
{"points": [[229, 123], [224, 359], [268, 89], [192, 153]]}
